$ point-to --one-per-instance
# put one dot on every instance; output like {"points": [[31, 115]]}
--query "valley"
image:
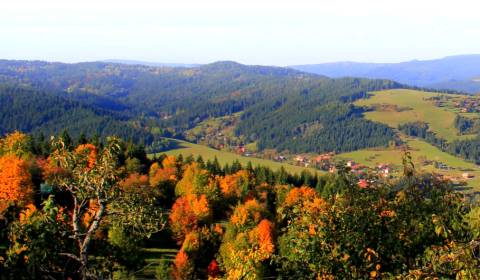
{"points": [[186, 149]]}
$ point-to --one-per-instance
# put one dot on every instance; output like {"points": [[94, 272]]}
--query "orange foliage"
{"points": [[298, 195], [387, 213], [181, 259], [158, 175], [134, 181], [90, 213], [186, 213], [183, 268], [230, 184], [91, 151], [218, 229], [317, 205], [199, 206], [15, 180], [169, 162], [265, 237], [250, 211], [27, 213], [191, 242]]}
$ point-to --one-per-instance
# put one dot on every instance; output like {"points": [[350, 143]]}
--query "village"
{"points": [[463, 104], [220, 137]]}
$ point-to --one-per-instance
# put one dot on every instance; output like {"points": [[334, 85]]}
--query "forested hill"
{"points": [[49, 113], [280, 108]]}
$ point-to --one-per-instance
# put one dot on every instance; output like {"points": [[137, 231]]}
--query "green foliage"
{"points": [[163, 271], [37, 242], [389, 226], [126, 246], [473, 220]]}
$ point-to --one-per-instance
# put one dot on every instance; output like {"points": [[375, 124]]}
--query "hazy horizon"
{"points": [[264, 33]]}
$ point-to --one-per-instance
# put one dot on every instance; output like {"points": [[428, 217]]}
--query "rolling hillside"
{"points": [[412, 106], [281, 108]]}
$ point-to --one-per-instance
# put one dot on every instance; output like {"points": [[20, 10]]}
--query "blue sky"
{"points": [[252, 32]]}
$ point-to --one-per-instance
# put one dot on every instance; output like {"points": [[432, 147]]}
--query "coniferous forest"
{"points": [[281, 108]]}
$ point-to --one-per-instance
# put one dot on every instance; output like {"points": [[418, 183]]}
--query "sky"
{"points": [[252, 32]]}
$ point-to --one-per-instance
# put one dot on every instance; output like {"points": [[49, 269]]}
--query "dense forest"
{"points": [[468, 149], [280, 108], [88, 209], [44, 112]]}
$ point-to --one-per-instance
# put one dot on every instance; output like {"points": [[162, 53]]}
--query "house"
{"points": [[467, 175], [324, 157], [350, 163], [300, 158]]}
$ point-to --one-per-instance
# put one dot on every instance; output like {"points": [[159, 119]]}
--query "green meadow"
{"points": [[419, 150], [416, 107], [186, 148]]}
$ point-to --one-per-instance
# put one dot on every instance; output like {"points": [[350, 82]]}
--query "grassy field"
{"points": [[416, 108], [418, 149], [186, 149]]}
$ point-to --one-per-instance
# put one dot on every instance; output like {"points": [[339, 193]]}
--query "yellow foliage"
{"points": [[252, 210], [191, 180], [14, 143], [27, 213]]}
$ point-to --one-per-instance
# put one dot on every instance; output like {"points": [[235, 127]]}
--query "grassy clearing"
{"points": [[418, 149], [185, 149], [440, 119]]}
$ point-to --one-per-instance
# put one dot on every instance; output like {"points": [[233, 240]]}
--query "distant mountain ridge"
{"points": [[453, 72], [148, 63]]}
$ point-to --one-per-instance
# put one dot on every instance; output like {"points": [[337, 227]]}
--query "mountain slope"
{"points": [[453, 72], [49, 113], [280, 108]]}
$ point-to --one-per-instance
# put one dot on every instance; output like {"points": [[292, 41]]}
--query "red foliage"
{"points": [[213, 270], [50, 169]]}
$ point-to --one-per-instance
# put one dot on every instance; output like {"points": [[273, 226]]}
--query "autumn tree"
{"points": [[248, 242], [93, 177], [15, 181], [16, 143], [37, 240], [188, 213], [235, 185]]}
